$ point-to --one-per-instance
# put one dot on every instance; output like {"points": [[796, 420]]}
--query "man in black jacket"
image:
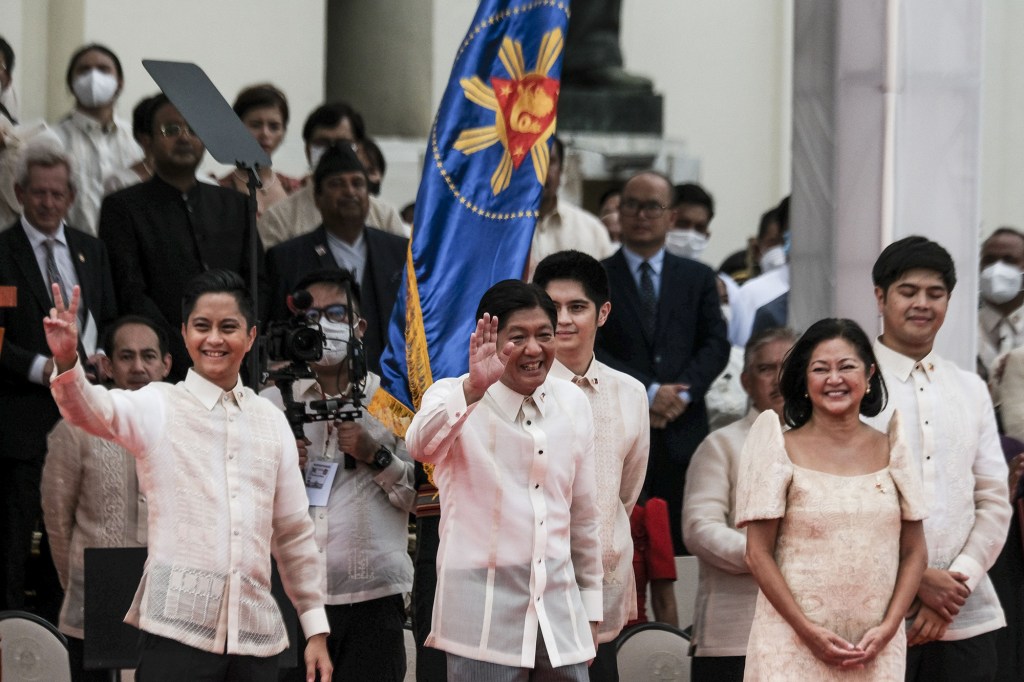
{"points": [[38, 250], [666, 329], [343, 240], [163, 232]]}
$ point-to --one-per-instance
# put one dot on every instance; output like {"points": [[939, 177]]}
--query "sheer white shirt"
{"points": [[520, 544], [950, 428]]}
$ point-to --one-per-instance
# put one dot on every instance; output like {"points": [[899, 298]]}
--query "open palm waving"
{"points": [[486, 363]]}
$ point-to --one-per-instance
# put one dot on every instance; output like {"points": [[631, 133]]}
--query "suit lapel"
{"points": [[622, 278], [25, 257], [322, 251], [83, 268]]}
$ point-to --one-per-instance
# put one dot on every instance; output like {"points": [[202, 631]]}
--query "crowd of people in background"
{"points": [[853, 503]]}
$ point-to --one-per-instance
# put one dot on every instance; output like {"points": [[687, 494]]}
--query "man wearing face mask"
{"points": [[1000, 315], [100, 142], [767, 295], [695, 208], [362, 528], [329, 124], [343, 239]]}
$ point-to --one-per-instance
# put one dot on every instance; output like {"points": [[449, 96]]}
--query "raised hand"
{"points": [[486, 363], [61, 328]]}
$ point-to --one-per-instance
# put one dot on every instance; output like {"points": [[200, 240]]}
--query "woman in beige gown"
{"points": [[833, 512]]}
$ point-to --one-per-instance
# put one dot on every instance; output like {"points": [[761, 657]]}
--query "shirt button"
{"points": [[236, 533], [528, 422], [540, 452], [536, 485], [321, 516], [231, 456]]}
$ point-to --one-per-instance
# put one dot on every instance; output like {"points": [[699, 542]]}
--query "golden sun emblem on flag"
{"points": [[524, 108]]}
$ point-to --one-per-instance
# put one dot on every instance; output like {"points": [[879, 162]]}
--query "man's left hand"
{"points": [[317, 658], [354, 440]]}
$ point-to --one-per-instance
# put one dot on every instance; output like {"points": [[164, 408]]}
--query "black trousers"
{"points": [[431, 663], [967, 660], [717, 668], [165, 660]]}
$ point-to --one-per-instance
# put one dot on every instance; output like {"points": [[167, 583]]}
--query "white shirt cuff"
{"points": [[35, 371], [969, 567], [314, 622]]}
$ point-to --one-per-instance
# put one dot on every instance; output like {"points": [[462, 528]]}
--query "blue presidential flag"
{"points": [[486, 161]]}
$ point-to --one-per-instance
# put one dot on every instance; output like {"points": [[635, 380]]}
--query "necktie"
{"points": [[53, 274], [648, 301]]}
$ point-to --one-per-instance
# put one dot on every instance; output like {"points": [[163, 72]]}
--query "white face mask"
{"points": [[686, 243], [1000, 282], [336, 338], [95, 88], [773, 259], [315, 154]]}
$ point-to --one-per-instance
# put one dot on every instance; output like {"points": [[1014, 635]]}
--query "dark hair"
{"points": [[110, 335], [793, 382], [8, 53], [69, 76], [329, 115], [141, 115], [259, 96], [664, 178], [148, 114], [558, 146], [218, 282], [762, 338], [374, 154], [511, 295], [336, 277], [692, 193], [608, 194], [782, 213], [1005, 230], [911, 253], [577, 267], [768, 218]]}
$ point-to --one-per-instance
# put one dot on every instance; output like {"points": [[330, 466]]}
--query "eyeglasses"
{"points": [[337, 313], [650, 209], [175, 130]]}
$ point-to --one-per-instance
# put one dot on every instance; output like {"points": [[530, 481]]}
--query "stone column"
{"points": [[886, 144]]}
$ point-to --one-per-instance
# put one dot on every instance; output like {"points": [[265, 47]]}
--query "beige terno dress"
{"points": [[837, 548]]}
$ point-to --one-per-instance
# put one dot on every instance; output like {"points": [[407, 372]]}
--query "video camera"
{"points": [[296, 342]]}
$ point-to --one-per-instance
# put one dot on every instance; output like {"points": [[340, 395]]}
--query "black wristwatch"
{"points": [[382, 458]]}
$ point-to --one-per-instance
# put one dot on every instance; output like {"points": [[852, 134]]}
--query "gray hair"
{"points": [[45, 152], [763, 338]]}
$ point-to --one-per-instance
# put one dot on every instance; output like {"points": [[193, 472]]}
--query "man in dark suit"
{"points": [[163, 232], [38, 250], [665, 329], [343, 240]]}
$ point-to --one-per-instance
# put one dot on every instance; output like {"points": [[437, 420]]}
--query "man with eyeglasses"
{"points": [[162, 232], [667, 330], [343, 240], [361, 528]]}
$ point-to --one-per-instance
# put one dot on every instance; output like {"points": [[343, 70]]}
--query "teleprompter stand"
{"points": [[209, 115]]}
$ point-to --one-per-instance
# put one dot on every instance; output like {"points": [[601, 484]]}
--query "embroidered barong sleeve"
{"points": [[292, 540], [584, 521], [765, 472], [992, 510], [906, 478], [707, 506], [132, 419], [61, 482]]}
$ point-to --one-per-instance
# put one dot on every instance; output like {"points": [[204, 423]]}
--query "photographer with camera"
{"points": [[361, 527]]}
